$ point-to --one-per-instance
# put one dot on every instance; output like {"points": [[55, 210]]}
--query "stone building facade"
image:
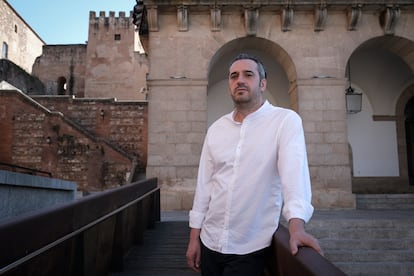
{"points": [[313, 52], [19, 42], [113, 61], [307, 48], [61, 68], [110, 65]]}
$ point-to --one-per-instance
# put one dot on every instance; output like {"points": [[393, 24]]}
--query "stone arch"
{"points": [[404, 99], [388, 94], [280, 71], [409, 134], [400, 46]]}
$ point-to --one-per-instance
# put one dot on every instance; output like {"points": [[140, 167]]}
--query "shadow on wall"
{"points": [[19, 78]]}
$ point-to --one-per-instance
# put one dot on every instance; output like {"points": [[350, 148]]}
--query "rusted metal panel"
{"points": [[78, 238]]}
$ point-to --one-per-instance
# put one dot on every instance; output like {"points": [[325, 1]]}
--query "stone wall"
{"points": [[189, 43], [111, 64], [62, 69], [23, 43], [113, 67], [176, 129], [19, 78], [121, 123], [36, 137]]}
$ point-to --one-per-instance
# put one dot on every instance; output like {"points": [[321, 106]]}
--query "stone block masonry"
{"points": [[95, 143], [175, 134]]}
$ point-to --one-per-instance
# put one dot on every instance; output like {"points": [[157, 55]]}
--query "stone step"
{"points": [[363, 225], [367, 244], [363, 219], [385, 201], [363, 242], [377, 268], [363, 234], [349, 255], [356, 224]]}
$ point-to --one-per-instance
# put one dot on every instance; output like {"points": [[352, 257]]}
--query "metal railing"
{"points": [[307, 262], [89, 236], [21, 169]]}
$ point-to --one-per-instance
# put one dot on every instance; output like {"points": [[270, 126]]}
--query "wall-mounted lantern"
{"points": [[353, 99]]}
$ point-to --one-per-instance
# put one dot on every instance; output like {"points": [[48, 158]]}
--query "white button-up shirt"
{"points": [[247, 172]]}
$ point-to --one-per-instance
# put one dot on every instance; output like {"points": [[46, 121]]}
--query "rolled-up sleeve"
{"points": [[294, 171], [196, 219], [202, 194]]}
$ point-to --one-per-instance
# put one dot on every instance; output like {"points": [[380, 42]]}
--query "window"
{"points": [[4, 50], [15, 28], [117, 37]]}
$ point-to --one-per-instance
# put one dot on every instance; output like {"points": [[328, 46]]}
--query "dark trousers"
{"points": [[217, 264]]}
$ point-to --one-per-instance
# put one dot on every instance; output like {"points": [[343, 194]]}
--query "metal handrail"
{"points": [[307, 262], [22, 244], [30, 170], [68, 236]]}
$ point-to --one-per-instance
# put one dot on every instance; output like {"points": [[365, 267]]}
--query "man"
{"points": [[253, 167]]}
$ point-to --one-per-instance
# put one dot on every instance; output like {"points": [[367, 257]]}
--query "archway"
{"points": [[405, 117], [377, 134], [61, 86], [409, 133], [280, 73]]}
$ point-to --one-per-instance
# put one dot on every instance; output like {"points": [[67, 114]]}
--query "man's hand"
{"points": [[299, 237], [194, 251]]}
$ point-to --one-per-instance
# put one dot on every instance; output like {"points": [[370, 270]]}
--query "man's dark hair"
{"points": [[260, 67]]}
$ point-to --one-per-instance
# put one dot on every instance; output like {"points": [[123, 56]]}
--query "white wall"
{"points": [[381, 76], [373, 144]]}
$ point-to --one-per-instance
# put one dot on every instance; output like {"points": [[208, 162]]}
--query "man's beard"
{"points": [[242, 98]]}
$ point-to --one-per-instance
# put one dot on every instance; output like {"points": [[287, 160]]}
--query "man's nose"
{"points": [[240, 79]]}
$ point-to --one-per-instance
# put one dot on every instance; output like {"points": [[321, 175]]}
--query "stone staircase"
{"points": [[377, 240], [385, 201]]}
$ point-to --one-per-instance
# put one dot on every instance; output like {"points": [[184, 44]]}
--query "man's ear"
{"points": [[263, 84]]}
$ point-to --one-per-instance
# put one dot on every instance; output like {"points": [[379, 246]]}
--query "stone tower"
{"points": [[113, 62]]}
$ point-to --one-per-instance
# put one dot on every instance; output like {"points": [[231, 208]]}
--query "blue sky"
{"points": [[65, 22]]}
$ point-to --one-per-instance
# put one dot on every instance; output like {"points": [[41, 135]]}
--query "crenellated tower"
{"points": [[115, 65], [110, 24]]}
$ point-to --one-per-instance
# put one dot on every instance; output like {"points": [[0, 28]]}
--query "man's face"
{"points": [[244, 82]]}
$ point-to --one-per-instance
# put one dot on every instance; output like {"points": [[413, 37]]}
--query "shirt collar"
{"points": [[261, 110]]}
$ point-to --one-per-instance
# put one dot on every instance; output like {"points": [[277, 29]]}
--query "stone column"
{"points": [[321, 104], [177, 122]]}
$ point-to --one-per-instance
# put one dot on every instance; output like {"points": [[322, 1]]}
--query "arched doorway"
{"points": [[409, 134], [276, 61], [61, 86], [377, 134]]}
